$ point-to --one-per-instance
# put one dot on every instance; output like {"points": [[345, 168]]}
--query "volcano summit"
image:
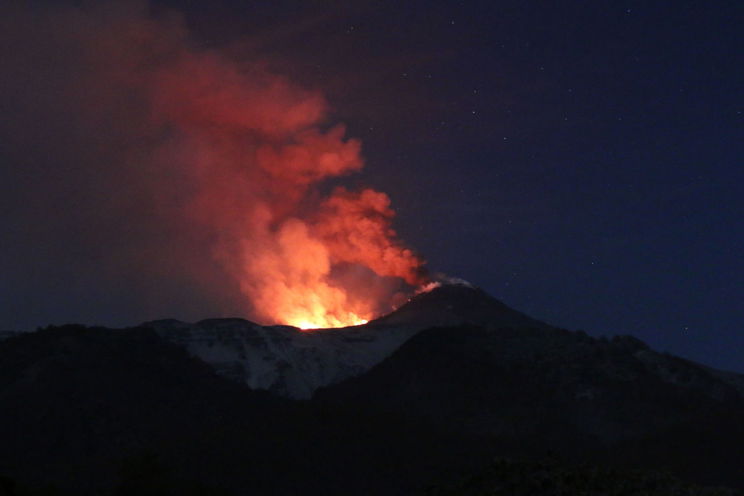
{"points": [[295, 363]]}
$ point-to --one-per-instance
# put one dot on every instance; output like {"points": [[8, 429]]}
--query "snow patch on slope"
{"points": [[283, 359]]}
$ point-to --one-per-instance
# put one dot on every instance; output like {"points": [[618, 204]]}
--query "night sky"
{"points": [[580, 160]]}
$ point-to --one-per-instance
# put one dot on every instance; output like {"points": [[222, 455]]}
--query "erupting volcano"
{"points": [[256, 147]]}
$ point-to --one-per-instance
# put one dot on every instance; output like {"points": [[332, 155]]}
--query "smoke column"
{"points": [[174, 173]]}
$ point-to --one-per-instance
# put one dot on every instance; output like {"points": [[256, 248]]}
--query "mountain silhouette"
{"points": [[418, 398]]}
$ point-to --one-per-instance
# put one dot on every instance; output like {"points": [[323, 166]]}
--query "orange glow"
{"points": [[324, 323]]}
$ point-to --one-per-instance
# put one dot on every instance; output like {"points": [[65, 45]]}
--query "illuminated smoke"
{"points": [[213, 158]]}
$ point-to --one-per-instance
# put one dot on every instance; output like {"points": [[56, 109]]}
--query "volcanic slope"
{"points": [[293, 363], [530, 388]]}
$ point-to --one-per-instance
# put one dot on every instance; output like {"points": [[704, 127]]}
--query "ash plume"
{"points": [[155, 177]]}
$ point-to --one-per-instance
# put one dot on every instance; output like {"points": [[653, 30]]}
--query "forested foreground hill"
{"points": [[552, 478]]}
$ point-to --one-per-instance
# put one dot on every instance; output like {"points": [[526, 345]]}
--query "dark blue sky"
{"points": [[580, 160]]}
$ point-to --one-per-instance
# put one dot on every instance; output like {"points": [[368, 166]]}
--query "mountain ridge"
{"points": [[295, 363]]}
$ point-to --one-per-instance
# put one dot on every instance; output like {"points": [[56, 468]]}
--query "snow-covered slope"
{"points": [[282, 359]]}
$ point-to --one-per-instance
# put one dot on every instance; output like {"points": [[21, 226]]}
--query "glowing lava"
{"points": [[324, 323]]}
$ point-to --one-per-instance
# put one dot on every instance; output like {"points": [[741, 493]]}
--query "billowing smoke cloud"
{"points": [[151, 176]]}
